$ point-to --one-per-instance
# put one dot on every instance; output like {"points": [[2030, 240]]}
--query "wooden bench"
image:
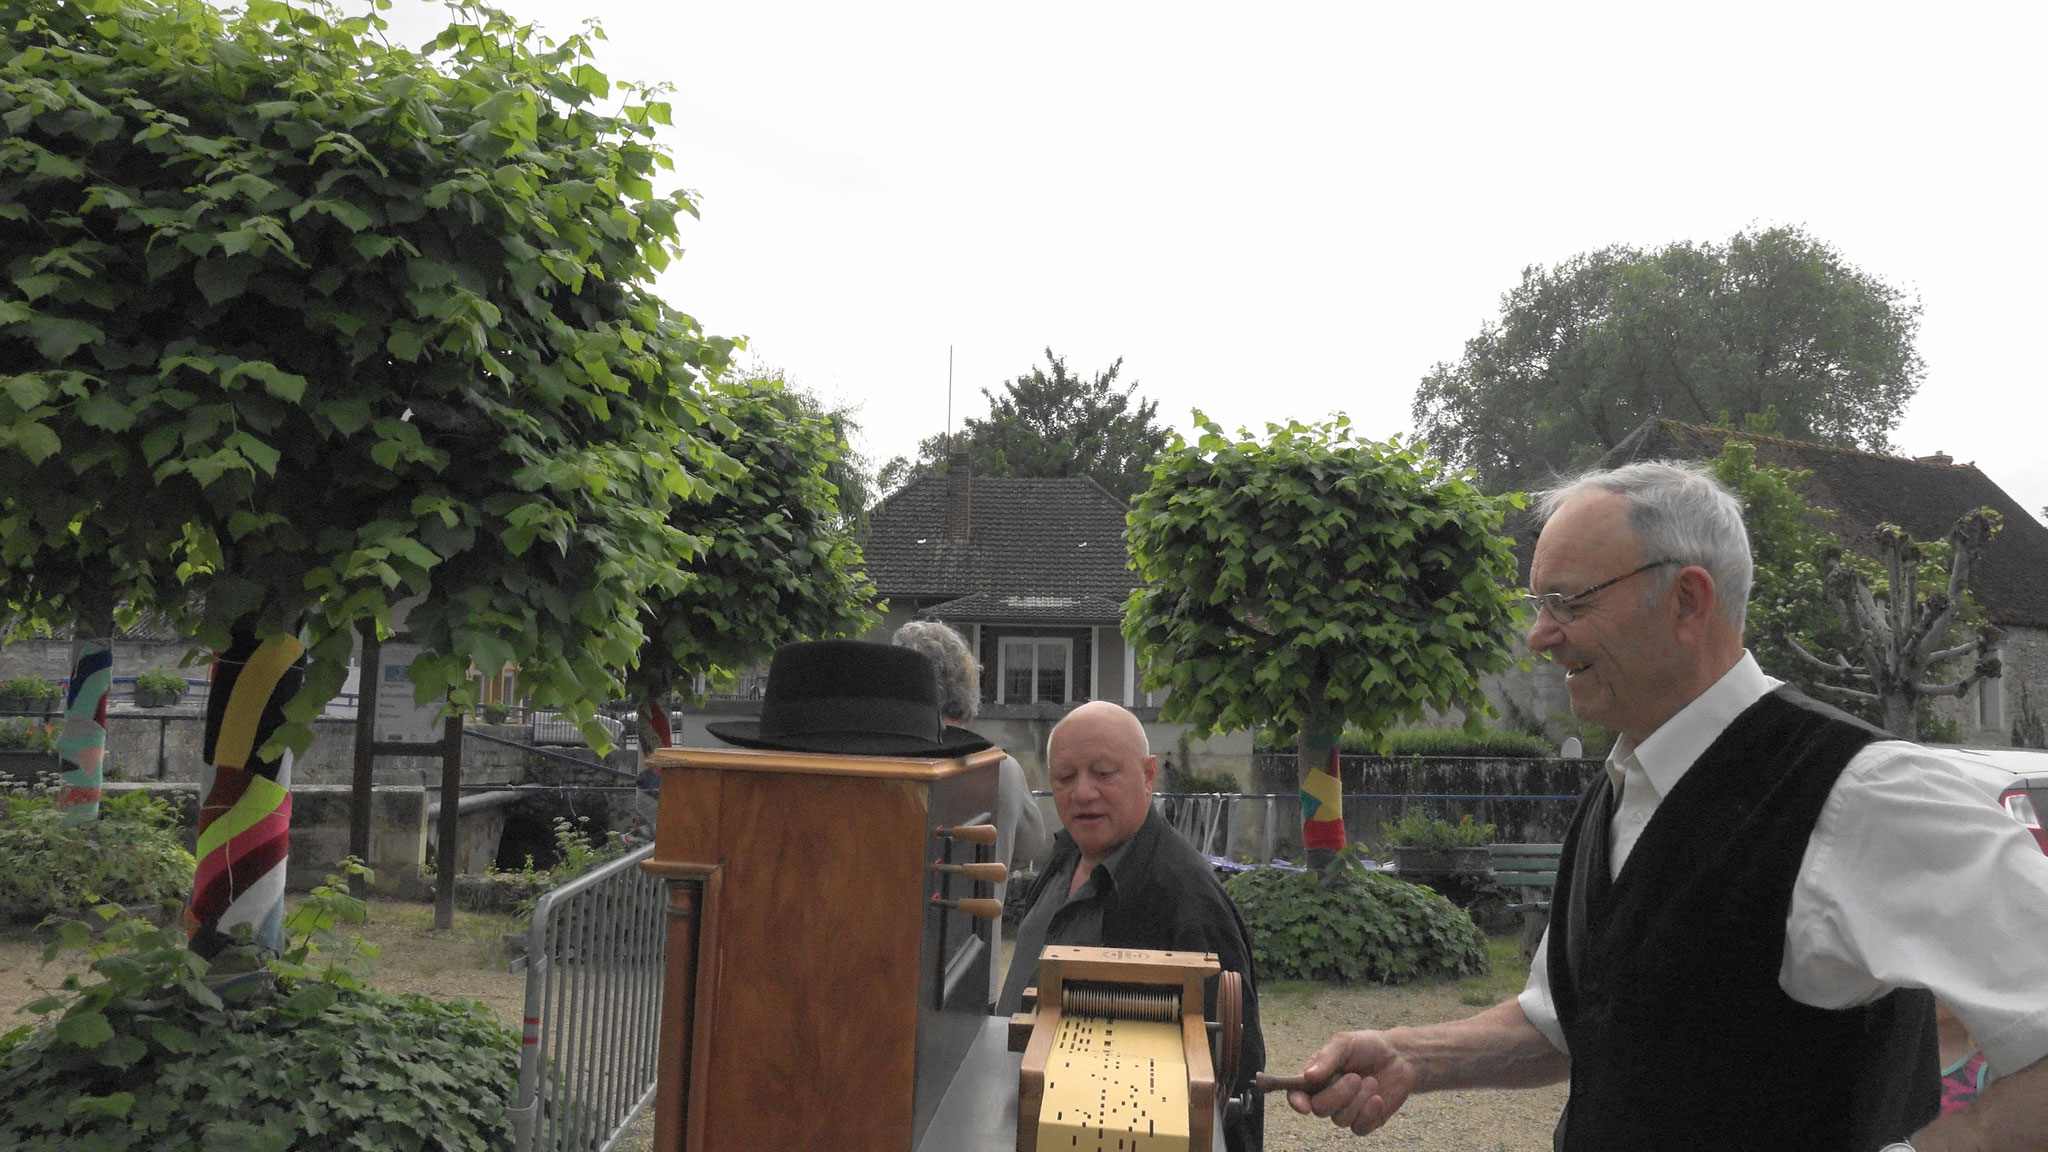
{"points": [[1531, 871]]}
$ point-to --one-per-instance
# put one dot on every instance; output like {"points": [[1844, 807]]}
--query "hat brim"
{"points": [[953, 742]]}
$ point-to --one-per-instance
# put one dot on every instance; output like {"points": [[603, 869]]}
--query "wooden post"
{"points": [[365, 758]]}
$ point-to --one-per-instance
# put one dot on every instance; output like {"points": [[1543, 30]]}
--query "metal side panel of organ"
{"points": [[828, 940]]}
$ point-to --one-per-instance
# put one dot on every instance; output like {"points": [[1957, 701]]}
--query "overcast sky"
{"points": [[1289, 210]]}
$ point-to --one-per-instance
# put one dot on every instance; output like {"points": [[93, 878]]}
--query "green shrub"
{"points": [[19, 732], [151, 1056], [1418, 829], [132, 855], [158, 680], [1175, 778], [28, 688], [1353, 926], [577, 852]]}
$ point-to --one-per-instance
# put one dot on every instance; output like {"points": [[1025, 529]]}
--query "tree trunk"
{"points": [[1322, 795], [82, 742], [246, 811], [1902, 715]]}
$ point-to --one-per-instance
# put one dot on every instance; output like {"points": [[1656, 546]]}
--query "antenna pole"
{"points": [[949, 397]]}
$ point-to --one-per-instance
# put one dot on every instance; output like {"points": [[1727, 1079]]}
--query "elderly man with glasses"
{"points": [[1756, 903]]}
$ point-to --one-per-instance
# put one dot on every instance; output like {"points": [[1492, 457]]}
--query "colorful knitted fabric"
{"points": [[1963, 1081], [1322, 808], [245, 818], [82, 743]]}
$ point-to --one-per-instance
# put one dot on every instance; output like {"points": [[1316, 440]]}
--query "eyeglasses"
{"points": [[1560, 605]]}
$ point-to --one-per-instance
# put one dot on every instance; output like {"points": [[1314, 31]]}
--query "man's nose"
{"points": [[1544, 633]]}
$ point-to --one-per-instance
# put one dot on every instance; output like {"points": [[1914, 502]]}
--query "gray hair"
{"points": [[959, 675], [1680, 510]]}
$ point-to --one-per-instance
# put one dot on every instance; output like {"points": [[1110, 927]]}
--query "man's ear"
{"points": [[1151, 771], [1697, 598]]}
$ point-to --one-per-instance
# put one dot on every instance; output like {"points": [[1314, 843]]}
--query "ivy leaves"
{"points": [[1309, 579]]}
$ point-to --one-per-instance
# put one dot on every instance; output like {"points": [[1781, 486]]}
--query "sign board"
{"points": [[399, 720]]}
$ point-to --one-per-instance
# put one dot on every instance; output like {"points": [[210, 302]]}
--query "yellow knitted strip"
{"points": [[253, 688]]}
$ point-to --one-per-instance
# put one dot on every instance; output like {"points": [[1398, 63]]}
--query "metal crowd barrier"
{"points": [[593, 1009]]}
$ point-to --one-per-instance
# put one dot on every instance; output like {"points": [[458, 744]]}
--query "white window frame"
{"points": [[1066, 646]]}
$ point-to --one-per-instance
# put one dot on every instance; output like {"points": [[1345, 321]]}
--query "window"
{"points": [[1034, 670], [1991, 703]]}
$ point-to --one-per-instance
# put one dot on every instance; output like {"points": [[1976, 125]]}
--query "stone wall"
{"points": [[320, 831], [51, 659]]}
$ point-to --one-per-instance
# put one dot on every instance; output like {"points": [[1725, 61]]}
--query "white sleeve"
{"points": [[1915, 877], [1535, 997]]}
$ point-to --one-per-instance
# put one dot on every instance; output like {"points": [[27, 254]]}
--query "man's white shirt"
{"points": [[1913, 877]]}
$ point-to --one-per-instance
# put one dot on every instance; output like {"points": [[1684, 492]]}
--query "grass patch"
{"points": [[413, 950], [1301, 994], [1504, 977]]}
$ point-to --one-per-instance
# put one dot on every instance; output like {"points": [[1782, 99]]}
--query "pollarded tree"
{"points": [[296, 324], [1586, 351], [779, 562], [1900, 637], [1310, 580]]}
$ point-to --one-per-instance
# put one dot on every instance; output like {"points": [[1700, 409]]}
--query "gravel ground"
{"points": [[1298, 1018]]}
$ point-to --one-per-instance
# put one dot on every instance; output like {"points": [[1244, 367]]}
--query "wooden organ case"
{"points": [[828, 937]]}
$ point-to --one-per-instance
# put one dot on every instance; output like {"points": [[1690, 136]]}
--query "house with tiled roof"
{"points": [[1925, 496], [1034, 573]]}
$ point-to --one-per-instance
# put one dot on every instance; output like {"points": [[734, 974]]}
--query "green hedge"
{"points": [[1355, 927], [1429, 742]]}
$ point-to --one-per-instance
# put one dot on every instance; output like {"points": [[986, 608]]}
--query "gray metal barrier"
{"points": [[593, 1009]]}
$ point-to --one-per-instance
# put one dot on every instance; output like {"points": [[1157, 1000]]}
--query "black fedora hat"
{"points": [[852, 697]]}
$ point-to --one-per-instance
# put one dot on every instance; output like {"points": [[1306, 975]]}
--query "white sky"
{"points": [[1288, 210]]}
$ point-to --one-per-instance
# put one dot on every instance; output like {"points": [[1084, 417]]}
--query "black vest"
{"points": [[1666, 977]]}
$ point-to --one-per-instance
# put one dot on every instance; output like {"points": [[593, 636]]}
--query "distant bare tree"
{"points": [[1899, 637]]}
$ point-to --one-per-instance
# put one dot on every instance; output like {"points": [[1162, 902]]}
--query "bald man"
{"points": [[1121, 877]]}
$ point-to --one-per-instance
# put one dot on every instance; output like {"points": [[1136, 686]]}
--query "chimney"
{"points": [[1937, 458], [959, 495]]}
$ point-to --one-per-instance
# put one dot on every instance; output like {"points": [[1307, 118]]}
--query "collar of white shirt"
{"points": [[1684, 738]]}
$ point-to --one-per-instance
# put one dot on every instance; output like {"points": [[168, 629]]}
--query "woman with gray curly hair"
{"points": [[1020, 825]]}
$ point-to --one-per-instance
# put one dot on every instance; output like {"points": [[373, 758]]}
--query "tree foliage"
{"points": [[1053, 425], [1709, 333], [1309, 580], [295, 324], [1788, 538], [779, 563]]}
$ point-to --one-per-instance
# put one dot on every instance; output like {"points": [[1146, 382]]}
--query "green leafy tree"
{"points": [[848, 471], [297, 325], [779, 562], [1310, 580], [300, 324], [1584, 352], [1053, 425]]}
